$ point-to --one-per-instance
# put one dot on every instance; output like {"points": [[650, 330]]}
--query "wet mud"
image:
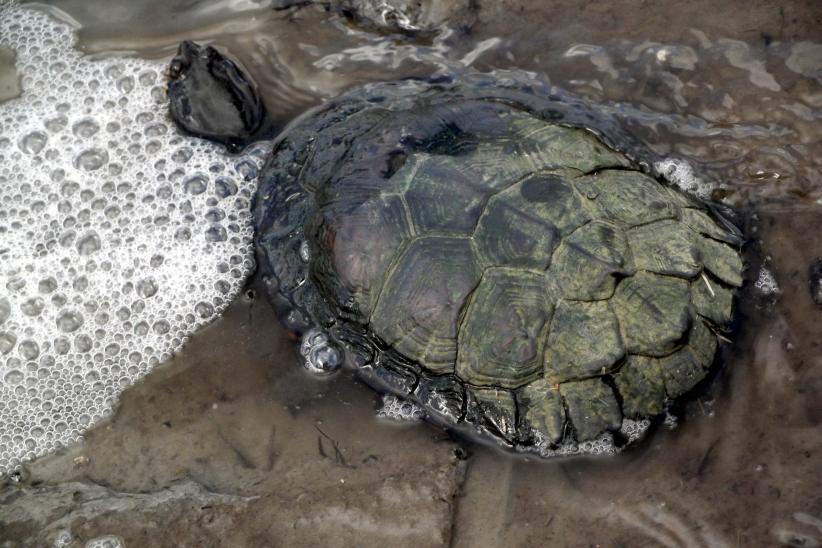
{"points": [[233, 443], [261, 451]]}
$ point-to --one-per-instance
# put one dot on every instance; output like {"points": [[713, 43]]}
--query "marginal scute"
{"points": [[627, 197], [699, 221], [665, 248], [653, 311], [502, 336], [587, 263], [721, 260], [550, 145], [703, 342], [419, 306], [712, 300], [542, 415], [356, 246], [584, 341], [389, 376], [641, 384], [681, 371], [441, 395], [493, 409], [592, 408]]}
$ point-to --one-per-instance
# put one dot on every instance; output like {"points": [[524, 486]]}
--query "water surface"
{"points": [[734, 90]]}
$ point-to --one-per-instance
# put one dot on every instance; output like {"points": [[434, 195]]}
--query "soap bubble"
{"points": [[320, 354], [109, 261]]}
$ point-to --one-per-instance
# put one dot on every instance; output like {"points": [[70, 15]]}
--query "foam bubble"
{"points": [[106, 541], [766, 282], [398, 409], [681, 173], [631, 431], [114, 230], [63, 538], [320, 354]]}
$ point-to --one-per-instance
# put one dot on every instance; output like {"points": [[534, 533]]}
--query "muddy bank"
{"points": [[234, 442]]}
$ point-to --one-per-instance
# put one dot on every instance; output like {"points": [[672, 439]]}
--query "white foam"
{"points": [[320, 355], [119, 237], [682, 174], [397, 409], [766, 282], [631, 430], [107, 541]]}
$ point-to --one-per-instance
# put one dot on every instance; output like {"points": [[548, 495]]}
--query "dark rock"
{"points": [[815, 279]]}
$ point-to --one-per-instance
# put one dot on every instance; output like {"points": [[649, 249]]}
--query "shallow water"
{"points": [[735, 89]]}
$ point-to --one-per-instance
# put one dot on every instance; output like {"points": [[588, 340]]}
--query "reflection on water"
{"points": [[736, 90], [741, 98]]}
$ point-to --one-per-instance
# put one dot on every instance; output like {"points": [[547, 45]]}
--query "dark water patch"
{"points": [[815, 280], [9, 79], [738, 96]]}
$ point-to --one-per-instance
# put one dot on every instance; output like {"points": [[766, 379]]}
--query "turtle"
{"points": [[498, 253], [211, 96]]}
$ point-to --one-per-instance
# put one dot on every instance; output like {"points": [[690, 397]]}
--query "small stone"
{"points": [[815, 279]]}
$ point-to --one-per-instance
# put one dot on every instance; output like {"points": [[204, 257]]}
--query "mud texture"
{"points": [[235, 444]]}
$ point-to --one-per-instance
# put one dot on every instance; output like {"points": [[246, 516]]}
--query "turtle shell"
{"points": [[497, 254]]}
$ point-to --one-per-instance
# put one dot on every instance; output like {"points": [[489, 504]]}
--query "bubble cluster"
{"points": [[398, 409], [766, 282], [682, 174], [107, 541], [63, 538], [320, 354], [118, 236], [630, 432]]}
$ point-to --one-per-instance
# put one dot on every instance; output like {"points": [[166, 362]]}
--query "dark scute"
{"points": [[442, 395], [492, 410], [545, 188], [212, 97]]}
